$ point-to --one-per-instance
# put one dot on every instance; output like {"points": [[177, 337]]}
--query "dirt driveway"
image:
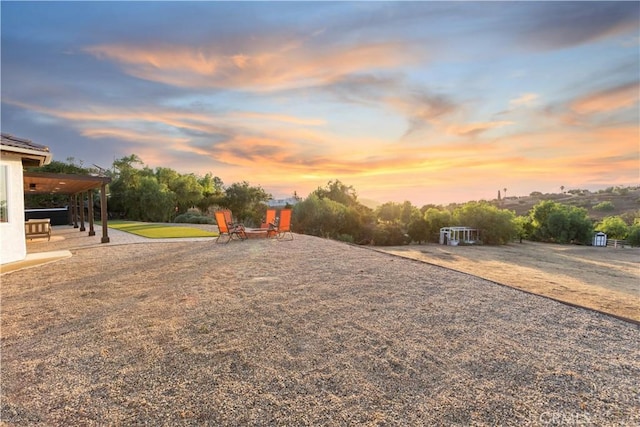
{"points": [[604, 279]]}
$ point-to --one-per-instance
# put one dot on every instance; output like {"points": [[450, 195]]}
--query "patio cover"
{"points": [[60, 183], [73, 185]]}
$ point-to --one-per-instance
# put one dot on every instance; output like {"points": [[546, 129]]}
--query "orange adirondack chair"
{"points": [[238, 227], [225, 230], [284, 225], [270, 218], [270, 223]]}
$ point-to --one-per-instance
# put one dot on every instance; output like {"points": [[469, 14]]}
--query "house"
{"points": [[278, 203], [15, 155], [19, 153]]}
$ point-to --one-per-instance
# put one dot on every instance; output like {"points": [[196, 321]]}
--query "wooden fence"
{"points": [[615, 243]]}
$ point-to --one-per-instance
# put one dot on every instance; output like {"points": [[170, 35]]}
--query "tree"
{"points": [[554, 222], [124, 186], [633, 237], [436, 218], [248, 203], [418, 230], [324, 217], [389, 212], [523, 227], [71, 167], [407, 213], [614, 227], [496, 225], [320, 217], [188, 191], [338, 192], [145, 194], [156, 201], [212, 192], [389, 235]]}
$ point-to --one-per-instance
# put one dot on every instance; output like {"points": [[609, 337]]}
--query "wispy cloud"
{"points": [[472, 129], [287, 66], [610, 99], [526, 99]]}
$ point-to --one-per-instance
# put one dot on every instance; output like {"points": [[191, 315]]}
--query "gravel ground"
{"points": [[305, 332]]}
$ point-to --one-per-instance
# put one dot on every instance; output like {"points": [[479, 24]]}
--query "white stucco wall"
{"points": [[13, 246]]}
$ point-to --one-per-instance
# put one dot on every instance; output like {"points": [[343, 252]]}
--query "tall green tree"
{"points": [[389, 212], [334, 212], [212, 192], [436, 218], [156, 201], [496, 225], [407, 213], [523, 227], [614, 227], [338, 192], [633, 237], [188, 191], [322, 217], [248, 203], [418, 230], [554, 222], [124, 187]]}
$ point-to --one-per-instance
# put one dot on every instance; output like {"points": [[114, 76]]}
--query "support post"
{"points": [[92, 232], [70, 211], [81, 206], [103, 214], [75, 211]]}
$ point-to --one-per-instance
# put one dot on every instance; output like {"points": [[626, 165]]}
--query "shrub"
{"points": [[633, 238], [604, 207], [193, 218], [389, 235], [345, 238]]}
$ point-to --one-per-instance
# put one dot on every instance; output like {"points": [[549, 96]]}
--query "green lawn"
{"points": [[159, 231]]}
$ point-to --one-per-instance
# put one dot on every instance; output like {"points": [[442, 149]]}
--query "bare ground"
{"points": [[605, 279], [307, 332]]}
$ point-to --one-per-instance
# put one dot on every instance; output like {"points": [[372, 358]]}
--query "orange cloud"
{"points": [[289, 66], [276, 118], [473, 129], [611, 99]]}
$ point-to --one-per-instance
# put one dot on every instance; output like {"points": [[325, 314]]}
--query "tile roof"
{"points": [[13, 141]]}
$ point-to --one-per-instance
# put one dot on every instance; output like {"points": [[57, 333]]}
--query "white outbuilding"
{"points": [[600, 239], [454, 236]]}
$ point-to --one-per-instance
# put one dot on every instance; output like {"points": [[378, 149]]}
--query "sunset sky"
{"points": [[431, 102]]}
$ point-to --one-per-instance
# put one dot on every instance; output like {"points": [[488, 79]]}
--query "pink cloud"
{"points": [[288, 66], [611, 99]]}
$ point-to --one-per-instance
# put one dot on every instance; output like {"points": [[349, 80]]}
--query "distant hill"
{"points": [[624, 200]]}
